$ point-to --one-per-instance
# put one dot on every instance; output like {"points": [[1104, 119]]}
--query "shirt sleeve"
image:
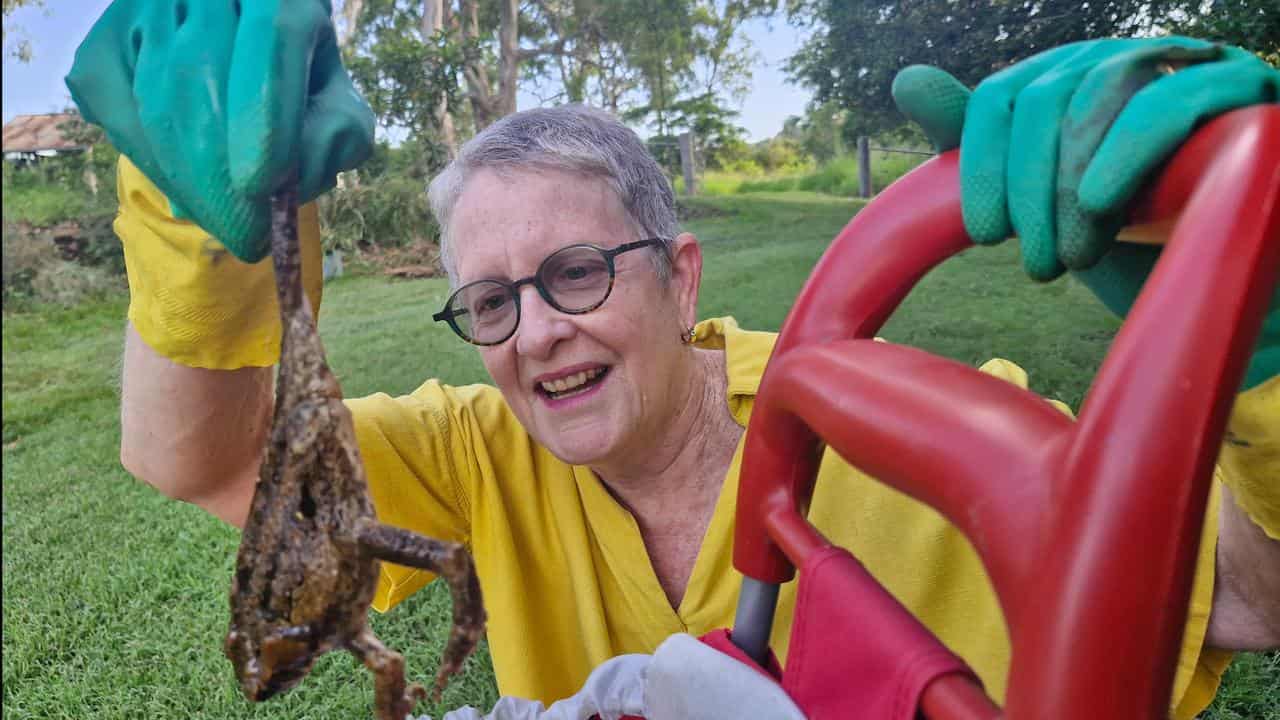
{"points": [[190, 299], [420, 462], [1250, 457]]}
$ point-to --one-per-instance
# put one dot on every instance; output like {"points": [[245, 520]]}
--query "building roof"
{"points": [[34, 133]]}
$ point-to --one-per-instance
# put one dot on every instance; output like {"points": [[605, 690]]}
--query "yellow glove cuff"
{"points": [[190, 299], [1250, 457]]}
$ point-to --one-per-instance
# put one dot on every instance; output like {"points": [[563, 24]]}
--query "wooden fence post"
{"points": [[864, 166], [686, 162]]}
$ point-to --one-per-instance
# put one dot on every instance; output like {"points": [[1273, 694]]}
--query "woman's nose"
{"points": [[541, 326]]}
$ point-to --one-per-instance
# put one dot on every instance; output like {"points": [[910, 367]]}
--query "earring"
{"points": [[686, 337]]}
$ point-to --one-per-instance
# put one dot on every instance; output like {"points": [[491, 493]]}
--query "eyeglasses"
{"points": [[574, 280]]}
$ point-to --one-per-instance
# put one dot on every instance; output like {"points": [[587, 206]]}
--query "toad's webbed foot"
{"points": [[450, 561], [393, 699]]}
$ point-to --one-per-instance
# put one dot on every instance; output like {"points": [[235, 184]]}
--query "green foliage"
{"points": [[21, 261], [401, 159], [384, 211], [70, 186], [43, 204], [34, 274], [838, 177], [719, 142], [101, 248], [666, 150], [886, 167], [780, 154], [684, 51], [820, 131], [1251, 24], [769, 185], [51, 192], [858, 45], [20, 49], [405, 75], [712, 182]]}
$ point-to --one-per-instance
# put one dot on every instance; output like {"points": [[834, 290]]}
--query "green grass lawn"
{"points": [[115, 598]]}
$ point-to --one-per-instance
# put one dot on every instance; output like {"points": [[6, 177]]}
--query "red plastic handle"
{"points": [[1089, 529]]}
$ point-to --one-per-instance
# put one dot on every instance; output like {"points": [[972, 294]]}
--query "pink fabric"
{"points": [[855, 651]]}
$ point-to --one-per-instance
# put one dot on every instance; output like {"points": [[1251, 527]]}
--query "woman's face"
{"points": [[628, 351]]}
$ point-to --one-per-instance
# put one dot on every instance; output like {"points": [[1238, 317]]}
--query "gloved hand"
{"points": [[1055, 147], [219, 103], [683, 680]]}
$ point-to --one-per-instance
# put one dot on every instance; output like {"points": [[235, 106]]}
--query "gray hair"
{"points": [[572, 138]]}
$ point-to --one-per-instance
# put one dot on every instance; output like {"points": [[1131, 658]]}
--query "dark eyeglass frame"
{"points": [[450, 314]]}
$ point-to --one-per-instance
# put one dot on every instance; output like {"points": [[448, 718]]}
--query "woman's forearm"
{"points": [[195, 435]]}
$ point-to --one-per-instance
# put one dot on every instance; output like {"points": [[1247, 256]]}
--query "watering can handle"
{"points": [[916, 224]]}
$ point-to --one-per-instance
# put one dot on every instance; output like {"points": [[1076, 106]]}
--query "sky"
{"points": [[56, 29]]}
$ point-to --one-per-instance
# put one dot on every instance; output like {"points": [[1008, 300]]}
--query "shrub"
{"points": [[33, 273], [101, 248], [63, 282], [718, 183], [22, 260], [746, 168], [43, 204], [381, 212], [888, 167], [838, 177]]}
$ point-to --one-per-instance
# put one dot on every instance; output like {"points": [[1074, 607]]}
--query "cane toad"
{"points": [[308, 561]]}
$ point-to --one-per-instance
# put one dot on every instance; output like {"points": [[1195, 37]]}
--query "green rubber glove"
{"points": [[1055, 147], [220, 102]]}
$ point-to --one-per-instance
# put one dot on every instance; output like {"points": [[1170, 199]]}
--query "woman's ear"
{"points": [[686, 276]]}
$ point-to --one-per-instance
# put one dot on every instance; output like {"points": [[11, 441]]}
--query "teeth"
{"points": [[571, 382]]}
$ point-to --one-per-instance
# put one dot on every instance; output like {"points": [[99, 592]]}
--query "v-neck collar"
{"points": [[616, 528]]}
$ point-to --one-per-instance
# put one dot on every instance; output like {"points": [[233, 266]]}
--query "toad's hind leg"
{"points": [[392, 699], [450, 561]]}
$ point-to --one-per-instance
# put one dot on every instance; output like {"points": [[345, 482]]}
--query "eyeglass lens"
{"points": [[574, 280]]}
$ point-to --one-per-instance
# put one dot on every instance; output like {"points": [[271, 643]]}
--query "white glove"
{"points": [[683, 680], [688, 680]]}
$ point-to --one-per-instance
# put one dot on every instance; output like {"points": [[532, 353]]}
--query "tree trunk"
{"points": [[351, 10], [489, 103], [433, 20], [479, 90], [509, 56]]}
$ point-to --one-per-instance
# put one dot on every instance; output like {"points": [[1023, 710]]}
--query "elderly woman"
{"points": [[595, 480]]}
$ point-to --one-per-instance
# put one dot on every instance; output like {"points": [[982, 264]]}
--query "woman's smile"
{"points": [[570, 388]]}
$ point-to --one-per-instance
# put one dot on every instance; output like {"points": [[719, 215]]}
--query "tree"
{"points": [[428, 65], [21, 48], [435, 18], [489, 101], [859, 45], [684, 50], [819, 132], [574, 44], [1252, 24], [408, 75]]}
